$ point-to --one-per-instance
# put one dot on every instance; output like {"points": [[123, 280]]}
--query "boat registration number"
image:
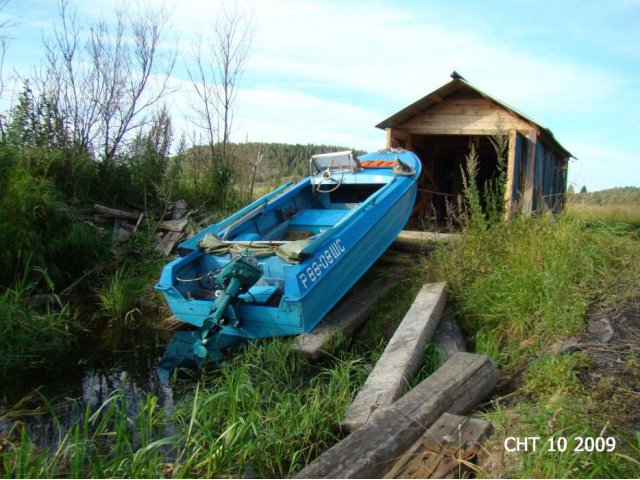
{"points": [[321, 263]]}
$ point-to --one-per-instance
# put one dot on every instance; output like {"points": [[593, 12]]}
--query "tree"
{"points": [[107, 78], [583, 189], [4, 45], [218, 64]]}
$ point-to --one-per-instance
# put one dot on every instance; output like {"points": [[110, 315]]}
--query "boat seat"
{"points": [[248, 237], [316, 220], [276, 233]]}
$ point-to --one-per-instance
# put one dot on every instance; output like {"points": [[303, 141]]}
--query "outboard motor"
{"points": [[237, 277]]}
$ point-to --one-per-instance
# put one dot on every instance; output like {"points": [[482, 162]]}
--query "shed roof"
{"points": [[456, 85]]}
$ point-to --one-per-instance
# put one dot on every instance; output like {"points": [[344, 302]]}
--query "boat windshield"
{"points": [[334, 161]]}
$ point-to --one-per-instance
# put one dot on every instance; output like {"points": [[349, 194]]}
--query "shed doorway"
{"points": [[443, 158]]}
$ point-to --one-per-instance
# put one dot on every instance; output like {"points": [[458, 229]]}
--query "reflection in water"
{"points": [[71, 392]]}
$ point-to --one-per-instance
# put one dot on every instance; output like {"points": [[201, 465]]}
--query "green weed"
{"points": [[33, 335]]}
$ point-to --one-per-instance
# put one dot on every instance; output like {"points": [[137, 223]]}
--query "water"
{"points": [[88, 382]]}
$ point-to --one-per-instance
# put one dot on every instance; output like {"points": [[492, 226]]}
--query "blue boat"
{"points": [[277, 266]]}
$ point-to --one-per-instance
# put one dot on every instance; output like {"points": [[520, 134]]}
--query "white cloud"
{"points": [[399, 55], [278, 115], [294, 117]]}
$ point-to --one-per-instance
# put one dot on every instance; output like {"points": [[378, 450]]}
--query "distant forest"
{"points": [[278, 162]]}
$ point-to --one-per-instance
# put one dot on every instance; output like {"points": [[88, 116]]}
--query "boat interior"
{"points": [[301, 215]]}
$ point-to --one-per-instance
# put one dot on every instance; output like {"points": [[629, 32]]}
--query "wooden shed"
{"points": [[441, 127]]}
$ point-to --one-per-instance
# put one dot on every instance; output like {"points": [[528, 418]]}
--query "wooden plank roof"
{"points": [[456, 85]]}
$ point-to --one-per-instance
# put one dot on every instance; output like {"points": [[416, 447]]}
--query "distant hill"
{"points": [[281, 161], [610, 196]]}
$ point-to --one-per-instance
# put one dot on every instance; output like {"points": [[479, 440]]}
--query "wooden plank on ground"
{"points": [[448, 337], [370, 452], [166, 243], [446, 450], [174, 225], [346, 317], [401, 358], [115, 213], [415, 241]]}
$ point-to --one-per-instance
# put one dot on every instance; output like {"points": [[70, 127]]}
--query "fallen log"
{"points": [[115, 213], [369, 452], [449, 446], [401, 358], [419, 242]]}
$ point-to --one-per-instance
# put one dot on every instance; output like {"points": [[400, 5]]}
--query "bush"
{"points": [[38, 228]]}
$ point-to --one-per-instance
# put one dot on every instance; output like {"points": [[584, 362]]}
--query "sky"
{"points": [[328, 71]]}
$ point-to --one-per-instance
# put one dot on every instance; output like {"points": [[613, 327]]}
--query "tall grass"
{"points": [[517, 288], [33, 335], [526, 283], [625, 215], [117, 298]]}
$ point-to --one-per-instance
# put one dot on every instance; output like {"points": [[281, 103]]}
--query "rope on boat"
{"points": [[186, 280]]}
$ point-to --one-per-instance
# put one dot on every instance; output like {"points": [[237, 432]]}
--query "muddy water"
{"points": [[89, 381]]}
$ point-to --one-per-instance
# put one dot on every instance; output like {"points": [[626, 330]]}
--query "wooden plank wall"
{"points": [[468, 116]]}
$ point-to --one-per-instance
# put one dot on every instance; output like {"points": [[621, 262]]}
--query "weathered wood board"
{"points": [[415, 241], [352, 312], [166, 243], [115, 213], [448, 337], [370, 452], [446, 450], [401, 358], [464, 116], [174, 225]]}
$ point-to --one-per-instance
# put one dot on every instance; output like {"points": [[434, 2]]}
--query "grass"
{"points": [[625, 215], [117, 298], [525, 284], [267, 412], [33, 335], [518, 288]]}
